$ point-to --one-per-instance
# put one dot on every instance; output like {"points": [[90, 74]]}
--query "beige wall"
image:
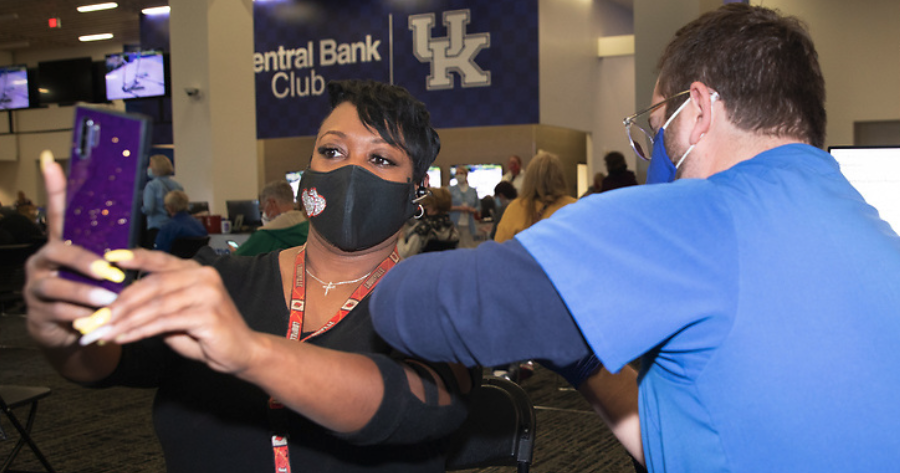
{"points": [[859, 51], [484, 145]]}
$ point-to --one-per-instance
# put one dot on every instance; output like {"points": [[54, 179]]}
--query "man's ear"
{"points": [[701, 104]]}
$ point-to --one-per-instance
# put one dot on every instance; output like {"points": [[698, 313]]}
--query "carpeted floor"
{"points": [[97, 431]]}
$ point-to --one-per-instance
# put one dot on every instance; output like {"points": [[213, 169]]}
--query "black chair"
{"points": [[499, 430], [12, 272], [188, 247], [12, 397]]}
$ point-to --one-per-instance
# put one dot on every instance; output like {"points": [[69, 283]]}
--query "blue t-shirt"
{"points": [[181, 225], [153, 206], [765, 301]]}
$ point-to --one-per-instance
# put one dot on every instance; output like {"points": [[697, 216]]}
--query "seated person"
{"points": [[433, 231], [270, 363], [19, 227], [180, 225], [283, 225]]}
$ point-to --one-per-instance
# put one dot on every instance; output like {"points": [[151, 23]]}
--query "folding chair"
{"points": [[12, 397], [499, 430]]}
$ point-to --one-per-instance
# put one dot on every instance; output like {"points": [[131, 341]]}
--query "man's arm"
{"points": [[486, 306]]}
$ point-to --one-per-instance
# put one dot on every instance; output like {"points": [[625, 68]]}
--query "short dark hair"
{"points": [[395, 114], [614, 161], [506, 189], [763, 65]]}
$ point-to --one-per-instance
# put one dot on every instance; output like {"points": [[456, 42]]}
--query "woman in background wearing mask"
{"points": [[464, 208], [271, 361], [154, 192]]}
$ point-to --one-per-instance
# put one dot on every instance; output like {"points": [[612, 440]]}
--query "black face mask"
{"points": [[354, 209]]}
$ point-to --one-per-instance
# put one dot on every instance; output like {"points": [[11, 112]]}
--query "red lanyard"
{"points": [[295, 326]]}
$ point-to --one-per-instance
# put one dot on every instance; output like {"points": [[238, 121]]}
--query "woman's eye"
{"points": [[381, 161], [329, 152]]}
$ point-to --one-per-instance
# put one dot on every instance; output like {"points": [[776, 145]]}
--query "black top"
{"points": [[213, 422], [20, 229], [618, 179]]}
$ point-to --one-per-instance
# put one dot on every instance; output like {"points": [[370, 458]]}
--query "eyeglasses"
{"points": [[641, 120]]}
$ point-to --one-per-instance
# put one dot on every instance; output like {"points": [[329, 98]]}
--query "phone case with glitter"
{"points": [[105, 185]]}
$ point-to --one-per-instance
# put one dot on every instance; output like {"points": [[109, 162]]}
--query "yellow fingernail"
{"points": [[104, 270], [46, 158], [88, 324], [119, 255]]}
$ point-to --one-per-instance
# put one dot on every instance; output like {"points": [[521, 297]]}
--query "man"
{"points": [[283, 225], [181, 224], [759, 290], [514, 175], [619, 174]]}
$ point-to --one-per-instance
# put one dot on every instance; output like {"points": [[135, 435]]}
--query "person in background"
{"points": [[504, 193], [181, 224], [155, 191], [759, 289], [464, 208], [596, 186], [514, 175], [619, 174], [434, 231], [269, 363], [283, 225], [544, 192]]}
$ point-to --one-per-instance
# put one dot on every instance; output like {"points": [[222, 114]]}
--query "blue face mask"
{"points": [[150, 173], [660, 170]]}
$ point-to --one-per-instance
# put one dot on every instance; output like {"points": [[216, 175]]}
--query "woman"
{"points": [[544, 192], [269, 362], [464, 208], [154, 193], [434, 231]]}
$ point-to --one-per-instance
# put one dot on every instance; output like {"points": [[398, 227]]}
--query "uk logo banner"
{"points": [[474, 63]]}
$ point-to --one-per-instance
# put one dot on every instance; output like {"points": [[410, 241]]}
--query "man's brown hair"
{"points": [[763, 65]]}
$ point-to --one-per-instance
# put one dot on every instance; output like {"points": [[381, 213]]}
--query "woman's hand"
{"points": [[184, 302], [53, 302]]}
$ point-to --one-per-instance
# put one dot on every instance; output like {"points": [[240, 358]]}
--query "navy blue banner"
{"points": [[474, 63]]}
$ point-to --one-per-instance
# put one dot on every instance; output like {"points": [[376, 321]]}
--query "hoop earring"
{"points": [[420, 213]]}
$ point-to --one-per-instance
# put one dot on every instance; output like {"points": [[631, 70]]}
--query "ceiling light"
{"points": [[97, 7], [95, 37], [156, 11]]}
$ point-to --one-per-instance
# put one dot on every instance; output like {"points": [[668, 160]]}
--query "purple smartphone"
{"points": [[106, 177]]}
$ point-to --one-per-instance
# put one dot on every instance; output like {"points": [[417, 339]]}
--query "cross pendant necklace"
{"points": [[332, 285]]}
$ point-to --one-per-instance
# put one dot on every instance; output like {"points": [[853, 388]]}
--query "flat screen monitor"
{"points": [[293, 178], [875, 173], [434, 176], [483, 177], [243, 213], [13, 87], [66, 81], [138, 74]]}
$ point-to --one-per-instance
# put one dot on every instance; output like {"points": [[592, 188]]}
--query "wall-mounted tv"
{"points": [[434, 176], [293, 178], [138, 74], [875, 172], [13, 87], [483, 177], [244, 214], [66, 81]]}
